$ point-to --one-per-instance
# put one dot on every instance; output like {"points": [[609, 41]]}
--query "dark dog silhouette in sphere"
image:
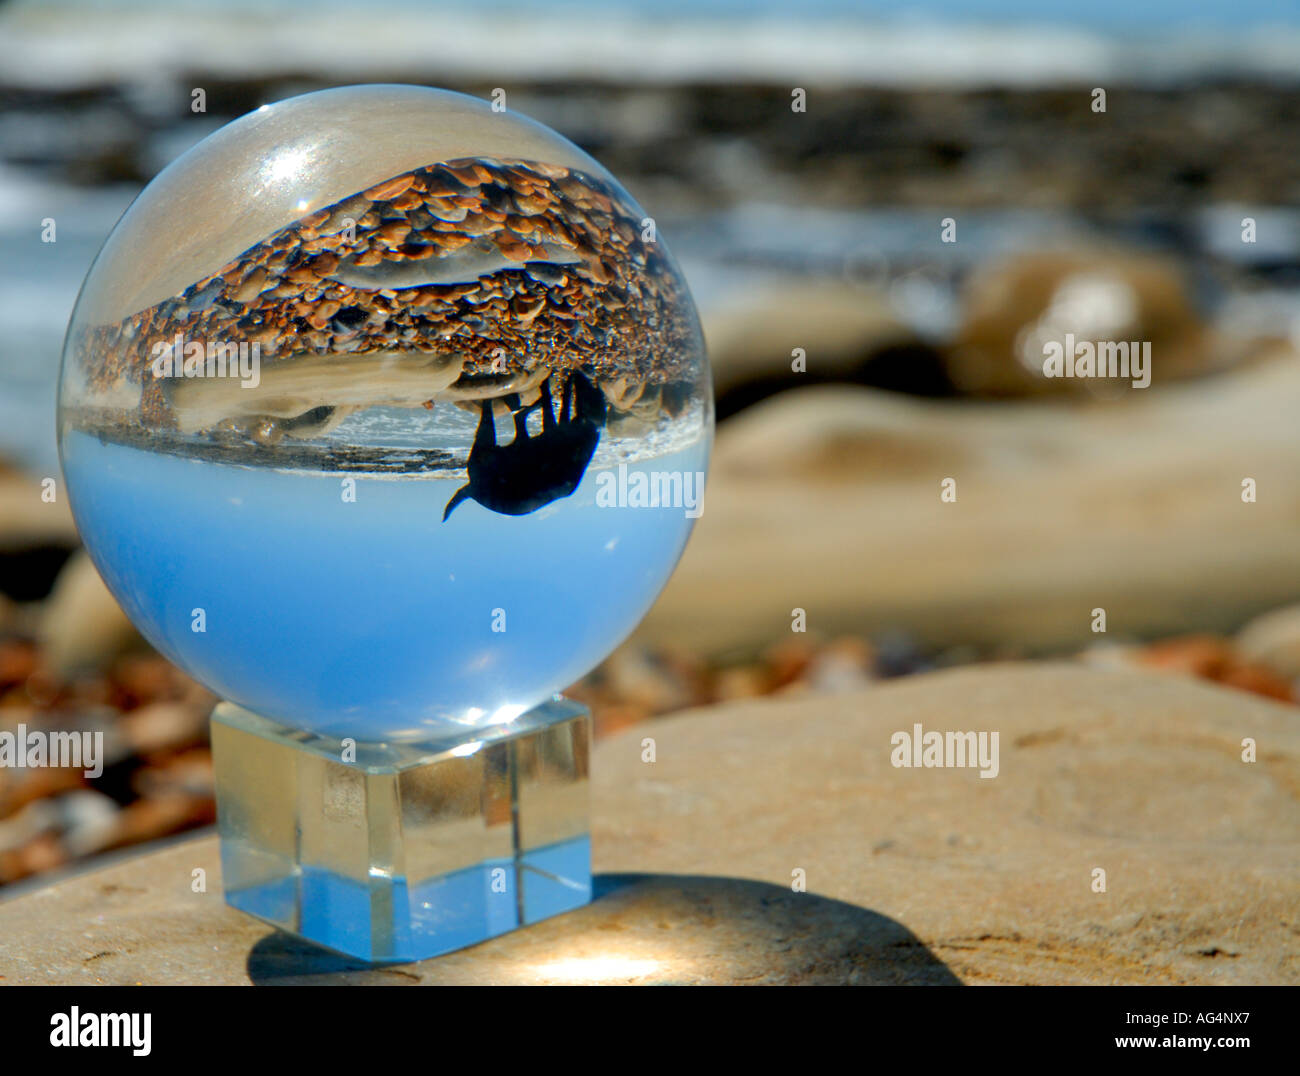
{"points": [[530, 472]]}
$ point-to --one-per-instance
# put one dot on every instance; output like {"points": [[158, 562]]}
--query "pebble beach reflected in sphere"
{"points": [[384, 414]]}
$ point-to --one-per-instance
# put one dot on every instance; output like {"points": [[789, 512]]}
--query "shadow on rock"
{"points": [[650, 929], [281, 959]]}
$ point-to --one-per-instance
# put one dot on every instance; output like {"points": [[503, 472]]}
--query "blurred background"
{"points": [[883, 214]]}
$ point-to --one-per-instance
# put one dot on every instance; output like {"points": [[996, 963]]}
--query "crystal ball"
{"points": [[384, 412]]}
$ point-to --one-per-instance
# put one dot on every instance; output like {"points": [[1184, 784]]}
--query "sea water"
{"points": [[344, 605]]}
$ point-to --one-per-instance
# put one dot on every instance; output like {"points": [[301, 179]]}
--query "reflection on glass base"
{"points": [[397, 852]]}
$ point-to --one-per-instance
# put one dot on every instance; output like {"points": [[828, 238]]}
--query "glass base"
{"points": [[398, 852]]}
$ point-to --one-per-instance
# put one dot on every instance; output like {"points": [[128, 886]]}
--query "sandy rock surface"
{"points": [[917, 875], [836, 324], [827, 499]]}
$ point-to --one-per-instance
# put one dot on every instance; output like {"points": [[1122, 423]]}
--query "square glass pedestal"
{"points": [[398, 852]]}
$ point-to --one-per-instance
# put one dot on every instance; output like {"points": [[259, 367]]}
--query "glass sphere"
{"points": [[383, 413]]}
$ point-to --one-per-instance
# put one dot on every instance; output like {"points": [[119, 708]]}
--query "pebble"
{"points": [[139, 679], [149, 819], [787, 661], [186, 774], [632, 675], [389, 189], [845, 665], [88, 821], [1011, 307], [740, 682], [27, 824], [1273, 640], [41, 854], [1214, 658], [164, 725], [1202, 656], [22, 788], [18, 660]]}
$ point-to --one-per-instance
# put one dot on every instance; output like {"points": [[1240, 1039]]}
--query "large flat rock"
{"points": [[913, 875], [828, 500]]}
